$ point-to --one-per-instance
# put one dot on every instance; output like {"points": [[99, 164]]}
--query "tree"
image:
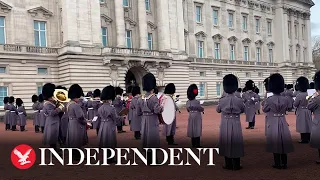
{"points": [[316, 51]]}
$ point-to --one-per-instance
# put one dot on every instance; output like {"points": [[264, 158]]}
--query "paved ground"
{"points": [[257, 162]]}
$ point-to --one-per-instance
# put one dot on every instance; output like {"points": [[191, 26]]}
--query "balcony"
{"points": [[12, 48], [231, 62], [136, 52]]}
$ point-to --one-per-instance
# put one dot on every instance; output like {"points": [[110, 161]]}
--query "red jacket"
{"points": [[129, 101]]}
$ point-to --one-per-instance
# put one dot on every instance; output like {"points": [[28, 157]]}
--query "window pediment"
{"points": [[152, 25], [298, 46], [130, 22], [232, 39], [201, 34], [217, 37], [246, 41], [5, 7], [259, 42], [270, 44], [35, 11], [106, 18]]}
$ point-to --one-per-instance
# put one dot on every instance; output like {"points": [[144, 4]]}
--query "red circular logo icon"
{"points": [[23, 156]]}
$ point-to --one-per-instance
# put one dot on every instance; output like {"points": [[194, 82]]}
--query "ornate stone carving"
{"points": [[152, 25], [160, 74], [5, 7], [106, 18], [130, 22], [186, 32], [232, 39], [106, 61], [201, 34], [251, 4], [237, 2], [263, 7], [270, 44], [259, 42], [298, 46], [125, 63], [114, 74], [246, 41], [46, 13], [217, 37]]}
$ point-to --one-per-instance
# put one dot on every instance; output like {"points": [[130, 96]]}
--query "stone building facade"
{"points": [[100, 42]]}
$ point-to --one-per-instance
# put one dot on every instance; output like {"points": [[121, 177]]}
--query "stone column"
{"points": [[163, 25], [308, 39], [120, 26], [180, 28], [143, 28], [281, 48]]}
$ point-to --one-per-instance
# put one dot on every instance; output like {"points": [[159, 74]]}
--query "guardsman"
{"points": [[303, 114], [250, 99], [266, 86], [7, 113], [42, 117], [21, 114], [195, 110], [230, 137], [279, 141], [13, 114], [119, 105], [258, 104], [36, 113], [135, 119]]}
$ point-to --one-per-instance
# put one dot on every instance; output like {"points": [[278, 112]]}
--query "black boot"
{"points": [[284, 161], [277, 161], [193, 142], [236, 164], [36, 129], [129, 122], [42, 129], [14, 128], [258, 111], [228, 163], [168, 139], [198, 143], [97, 130], [249, 125], [308, 137], [304, 137], [120, 129], [137, 135], [7, 126], [253, 124], [171, 140], [318, 161], [22, 128]]}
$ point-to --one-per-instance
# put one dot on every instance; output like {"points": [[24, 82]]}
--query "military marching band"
{"points": [[65, 116]]}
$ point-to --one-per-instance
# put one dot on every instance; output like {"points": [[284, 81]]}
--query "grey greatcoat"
{"points": [[230, 136], [278, 136], [83, 104], [289, 95], [238, 94], [119, 105], [250, 105], [13, 115], [314, 106], [258, 104], [77, 132], [195, 118], [7, 114], [149, 108], [96, 104], [90, 110], [52, 123], [107, 135], [303, 115], [135, 124], [170, 130], [42, 116], [64, 121], [36, 114], [266, 114], [22, 116]]}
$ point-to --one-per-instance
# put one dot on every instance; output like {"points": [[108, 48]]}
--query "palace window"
{"points": [[305, 55], [202, 74], [150, 41], [232, 54], [104, 32], [43, 71], [198, 14], [2, 31], [215, 17], [219, 73], [258, 51], [257, 25], [303, 30], [200, 49], [296, 33], [3, 94], [246, 53], [217, 51], [290, 53], [39, 90], [202, 89], [2, 70], [148, 5], [244, 22], [297, 56], [40, 35], [230, 20], [289, 29], [248, 74], [102, 1], [126, 3], [128, 39], [218, 89], [271, 55], [269, 26]]}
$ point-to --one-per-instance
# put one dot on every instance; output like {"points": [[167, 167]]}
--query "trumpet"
{"points": [[60, 96]]}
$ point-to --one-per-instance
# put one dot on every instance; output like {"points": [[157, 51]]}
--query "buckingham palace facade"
{"points": [[99, 42]]}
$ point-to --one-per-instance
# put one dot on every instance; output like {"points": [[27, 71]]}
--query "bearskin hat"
{"points": [[136, 90], [239, 90], [75, 91], [244, 89], [316, 81], [19, 102], [311, 85], [296, 87], [89, 94], [289, 86], [250, 85], [48, 90], [61, 87], [108, 93], [266, 83], [129, 89], [285, 86], [256, 90], [5, 100], [192, 92], [149, 82], [170, 89], [119, 91], [96, 93], [276, 83], [302, 84], [41, 98], [156, 90], [230, 83], [11, 99], [34, 98]]}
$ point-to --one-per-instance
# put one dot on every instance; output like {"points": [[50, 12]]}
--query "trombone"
{"points": [[60, 96]]}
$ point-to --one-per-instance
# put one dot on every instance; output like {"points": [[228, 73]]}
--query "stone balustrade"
{"points": [[231, 62], [136, 52], [12, 48]]}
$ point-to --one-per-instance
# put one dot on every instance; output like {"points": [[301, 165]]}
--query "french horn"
{"points": [[60, 96]]}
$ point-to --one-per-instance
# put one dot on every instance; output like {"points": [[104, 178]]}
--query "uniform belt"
{"points": [[303, 107], [231, 116], [73, 119], [13, 111], [105, 120], [7, 110], [148, 114], [90, 108], [278, 115], [193, 111], [35, 111], [20, 113], [41, 110]]}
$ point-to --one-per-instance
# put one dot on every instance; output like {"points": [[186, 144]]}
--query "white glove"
{"points": [[252, 98]]}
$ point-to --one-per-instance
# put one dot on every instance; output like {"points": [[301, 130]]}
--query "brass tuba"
{"points": [[60, 96]]}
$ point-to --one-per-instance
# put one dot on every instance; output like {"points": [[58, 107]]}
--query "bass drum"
{"points": [[169, 109]]}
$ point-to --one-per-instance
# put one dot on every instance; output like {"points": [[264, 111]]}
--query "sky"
{"points": [[315, 19]]}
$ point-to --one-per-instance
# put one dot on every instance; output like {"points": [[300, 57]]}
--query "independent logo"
{"points": [[23, 156]]}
